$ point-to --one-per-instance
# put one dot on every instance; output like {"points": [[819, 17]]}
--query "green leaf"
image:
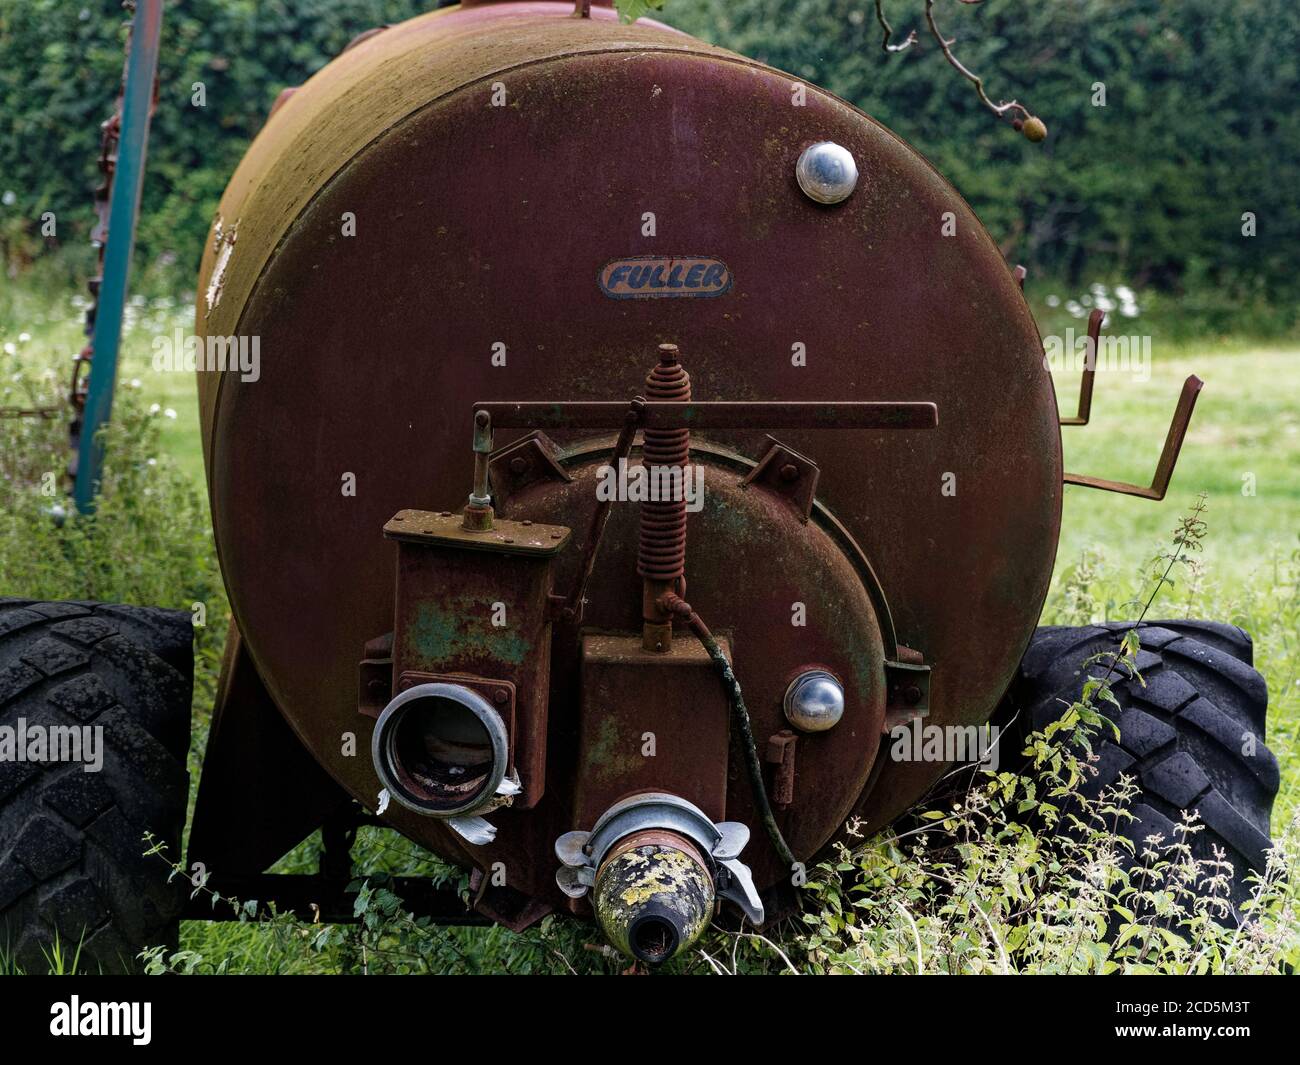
{"points": [[631, 10]]}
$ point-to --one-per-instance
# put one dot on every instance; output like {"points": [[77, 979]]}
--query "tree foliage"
{"points": [[60, 70], [1200, 123]]}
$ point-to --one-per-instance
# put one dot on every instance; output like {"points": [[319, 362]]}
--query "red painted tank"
{"points": [[437, 218]]}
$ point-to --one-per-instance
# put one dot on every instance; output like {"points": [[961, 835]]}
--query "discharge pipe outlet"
{"points": [[655, 866], [442, 750], [654, 895]]}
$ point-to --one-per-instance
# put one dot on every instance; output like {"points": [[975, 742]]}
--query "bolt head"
{"points": [[814, 702], [827, 172]]}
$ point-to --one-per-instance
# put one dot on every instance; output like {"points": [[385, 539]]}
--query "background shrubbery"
{"points": [[60, 68], [1202, 122]]}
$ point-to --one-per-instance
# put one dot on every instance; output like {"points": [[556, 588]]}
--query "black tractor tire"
{"points": [[72, 855], [1192, 736]]}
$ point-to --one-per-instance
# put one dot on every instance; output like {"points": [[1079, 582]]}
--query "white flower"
{"points": [[9, 348], [1053, 301], [154, 408], [169, 413], [24, 337]]}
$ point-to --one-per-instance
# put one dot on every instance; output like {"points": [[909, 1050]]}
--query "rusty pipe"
{"points": [[479, 514]]}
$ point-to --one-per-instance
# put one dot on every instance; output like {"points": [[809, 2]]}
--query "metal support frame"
{"points": [[124, 208]]}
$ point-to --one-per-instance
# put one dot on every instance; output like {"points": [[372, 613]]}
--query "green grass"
{"points": [[1247, 422], [1246, 426]]}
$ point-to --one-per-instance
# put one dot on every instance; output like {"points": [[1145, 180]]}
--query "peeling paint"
{"points": [[224, 246]]}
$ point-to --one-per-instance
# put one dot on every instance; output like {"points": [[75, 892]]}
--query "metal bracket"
{"points": [[781, 753], [1168, 457], [907, 691], [376, 676], [787, 473], [1173, 441], [1089, 371], [534, 458]]}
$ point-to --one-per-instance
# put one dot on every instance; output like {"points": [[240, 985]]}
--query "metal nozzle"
{"points": [[655, 865], [654, 895]]}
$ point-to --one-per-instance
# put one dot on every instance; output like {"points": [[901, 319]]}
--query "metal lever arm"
{"points": [[585, 414]]}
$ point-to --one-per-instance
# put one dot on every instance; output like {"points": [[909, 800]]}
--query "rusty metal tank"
{"points": [[438, 218]]}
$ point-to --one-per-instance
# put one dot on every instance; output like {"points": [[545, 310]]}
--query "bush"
{"points": [[149, 541], [1200, 124], [60, 70]]}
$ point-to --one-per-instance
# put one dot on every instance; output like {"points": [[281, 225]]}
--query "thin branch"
{"points": [[999, 109], [887, 31]]}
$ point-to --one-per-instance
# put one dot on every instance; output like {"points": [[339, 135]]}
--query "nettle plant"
{"points": [[1027, 873]]}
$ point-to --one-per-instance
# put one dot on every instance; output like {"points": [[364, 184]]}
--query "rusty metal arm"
{"points": [[1168, 457], [577, 599], [710, 415], [1089, 371]]}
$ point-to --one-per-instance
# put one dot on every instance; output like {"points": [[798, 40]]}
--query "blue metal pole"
{"points": [[123, 208]]}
